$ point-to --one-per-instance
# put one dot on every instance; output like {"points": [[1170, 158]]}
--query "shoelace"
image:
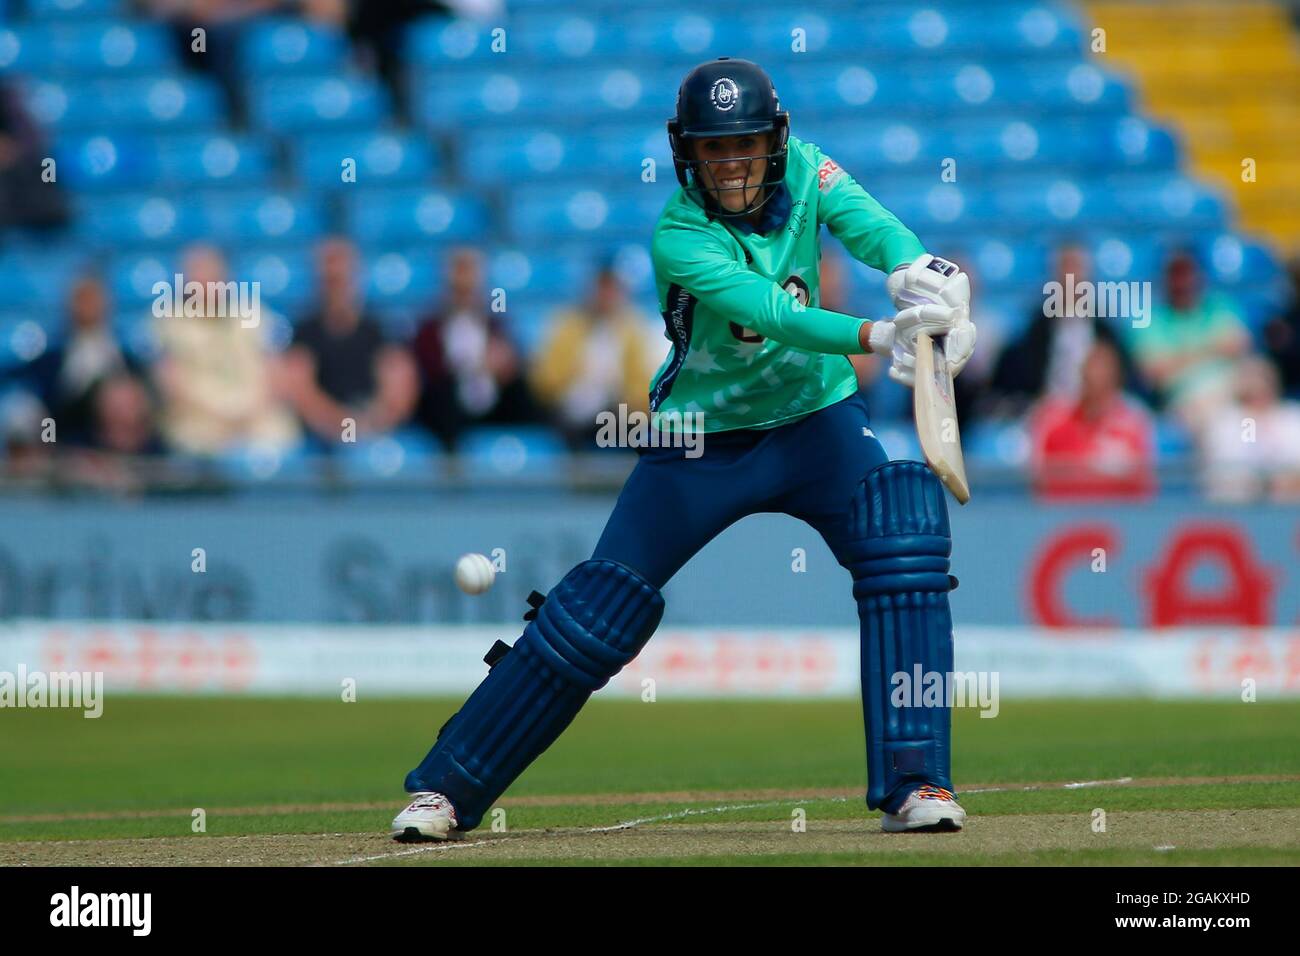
{"points": [[933, 793], [434, 801]]}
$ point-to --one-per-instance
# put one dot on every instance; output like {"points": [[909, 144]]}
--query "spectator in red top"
{"points": [[1099, 445]]}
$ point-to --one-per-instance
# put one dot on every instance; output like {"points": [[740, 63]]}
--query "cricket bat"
{"points": [[936, 417]]}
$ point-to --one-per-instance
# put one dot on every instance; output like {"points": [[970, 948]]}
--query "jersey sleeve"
{"points": [[870, 232], [696, 261]]}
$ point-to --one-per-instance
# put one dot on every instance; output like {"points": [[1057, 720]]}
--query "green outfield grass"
{"points": [[289, 780]]}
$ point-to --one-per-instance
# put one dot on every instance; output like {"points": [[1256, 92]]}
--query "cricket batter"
{"points": [[736, 256]]}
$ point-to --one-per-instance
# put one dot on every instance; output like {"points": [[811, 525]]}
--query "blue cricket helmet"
{"points": [[728, 97]]}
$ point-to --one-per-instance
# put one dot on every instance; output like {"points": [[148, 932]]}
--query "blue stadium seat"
{"points": [[564, 274], [214, 159], [1170, 201], [223, 218], [137, 331], [1230, 259], [1133, 142], [108, 161], [251, 464], [790, 33], [1042, 200], [85, 49], [25, 51], [586, 97], [115, 105], [827, 90], [443, 41], [283, 46], [924, 203], [686, 32], [614, 154], [68, 9], [23, 339], [379, 157], [131, 275], [1002, 265], [579, 210], [1126, 257], [261, 216], [409, 279], [412, 215], [36, 280], [286, 273], [104, 161], [561, 38], [299, 103], [1057, 87], [402, 454], [507, 451]]}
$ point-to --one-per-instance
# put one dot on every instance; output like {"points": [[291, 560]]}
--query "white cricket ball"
{"points": [[474, 573]]}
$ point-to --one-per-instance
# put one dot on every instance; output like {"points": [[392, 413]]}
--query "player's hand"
{"points": [[883, 334], [934, 321], [929, 279]]}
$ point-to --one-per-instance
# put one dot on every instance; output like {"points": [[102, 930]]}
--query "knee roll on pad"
{"points": [[592, 624], [899, 560]]}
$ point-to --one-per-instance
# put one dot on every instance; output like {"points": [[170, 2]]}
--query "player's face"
{"points": [[734, 167]]}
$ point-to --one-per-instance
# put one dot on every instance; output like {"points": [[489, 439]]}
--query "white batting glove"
{"points": [[960, 344], [929, 279], [934, 321], [958, 347], [934, 280]]}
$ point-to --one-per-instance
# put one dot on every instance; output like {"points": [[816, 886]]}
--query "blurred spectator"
{"points": [[1047, 358], [124, 418], [1098, 445], [470, 371], [65, 376], [340, 366], [218, 382], [1188, 350], [596, 356], [125, 433], [1251, 447], [1282, 335], [222, 23], [26, 200], [379, 33]]}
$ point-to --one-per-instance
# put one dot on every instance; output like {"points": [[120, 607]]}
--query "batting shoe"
{"points": [[927, 809], [430, 816]]}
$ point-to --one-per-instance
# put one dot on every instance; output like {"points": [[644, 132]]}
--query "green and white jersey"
{"points": [[751, 347]]}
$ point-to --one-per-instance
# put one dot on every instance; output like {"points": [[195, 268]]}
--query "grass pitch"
{"points": [[293, 781]]}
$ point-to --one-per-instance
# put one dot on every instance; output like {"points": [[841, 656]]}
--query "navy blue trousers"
{"points": [[672, 506]]}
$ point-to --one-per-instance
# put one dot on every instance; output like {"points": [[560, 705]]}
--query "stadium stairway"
{"points": [[1228, 75]]}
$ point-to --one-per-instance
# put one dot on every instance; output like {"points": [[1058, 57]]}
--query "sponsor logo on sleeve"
{"points": [[828, 174]]}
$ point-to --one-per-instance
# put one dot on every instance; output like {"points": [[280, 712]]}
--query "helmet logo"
{"points": [[725, 94]]}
